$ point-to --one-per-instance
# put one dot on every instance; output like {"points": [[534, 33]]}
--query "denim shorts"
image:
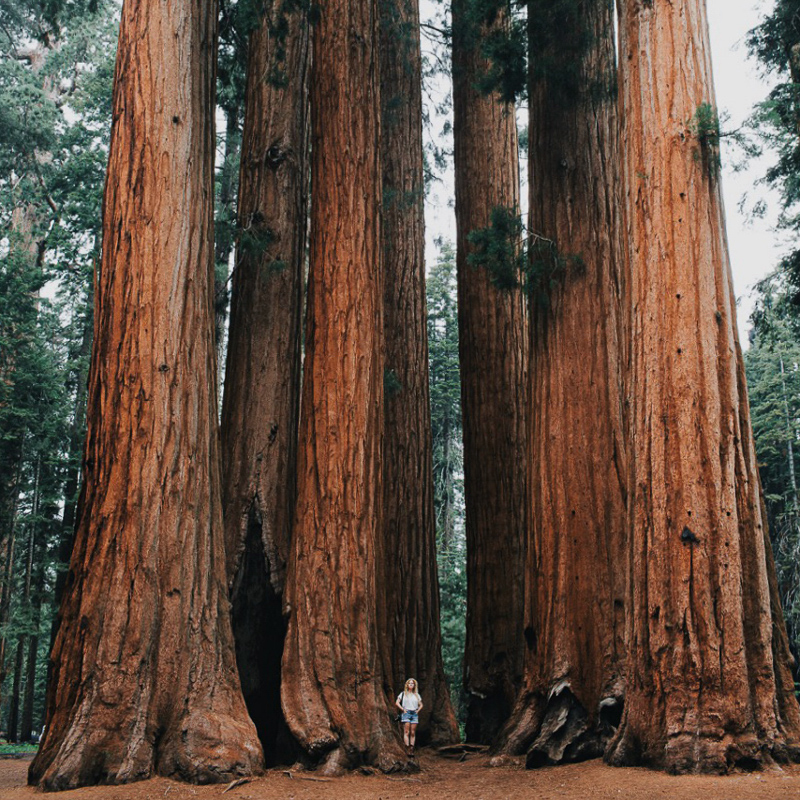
{"points": [[410, 716]]}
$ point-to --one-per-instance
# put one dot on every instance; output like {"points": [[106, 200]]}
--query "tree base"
{"points": [[700, 754], [568, 735], [559, 730], [204, 749], [342, 760]]}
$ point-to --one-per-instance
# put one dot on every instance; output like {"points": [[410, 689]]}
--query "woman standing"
{"points": [[409, 704]]}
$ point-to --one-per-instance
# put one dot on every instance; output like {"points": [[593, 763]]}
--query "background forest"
{"points": [[56, 69]]}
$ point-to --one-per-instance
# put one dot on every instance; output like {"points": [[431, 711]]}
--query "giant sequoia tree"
{"points": [[492, 348], [409, 596], [262, 380], [143, 671], [574, 580], [333, 682], [708, 679]]}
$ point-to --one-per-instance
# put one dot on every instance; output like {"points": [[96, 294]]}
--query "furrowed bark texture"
{"points": [[409, 596], [262, 382], [333, 684], [493, 358], [575, 559], [144, 676], [709, 686]]}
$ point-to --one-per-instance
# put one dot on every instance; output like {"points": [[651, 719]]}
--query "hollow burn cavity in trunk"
{"points": [[485, 716], [567, 734], [259, 630]]}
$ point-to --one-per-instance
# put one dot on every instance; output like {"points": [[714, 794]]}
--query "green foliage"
{"points": [[448, 465], [392, 386], [776, 120], [255, 238], [506, 51], [279, 26], [706, 129], [237, 20], [498, 248], [559, 40], [7, 749], [56, 68], [496, 29], [773, 374], [514, 259], [533, 43]]}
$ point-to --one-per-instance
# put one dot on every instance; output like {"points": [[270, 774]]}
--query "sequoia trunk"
{"points": [[493, 358], [709, 686], [409, 596], [143, 668], [574, 576], [262, 382], [332, 687]]}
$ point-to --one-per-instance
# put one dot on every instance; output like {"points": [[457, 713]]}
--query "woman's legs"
{"points": [[412, 734], [407, 733]]}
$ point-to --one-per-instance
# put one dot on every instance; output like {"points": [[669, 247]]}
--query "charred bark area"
{"points": [[486, 714], [709, 686], [409, 595], [261, 403], [575, 567], [259, 629], [333, 677], [493, 357], [567, 733], [144, 675]]}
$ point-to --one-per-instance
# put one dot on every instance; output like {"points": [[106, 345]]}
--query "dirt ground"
{"points": [[444, 779]]}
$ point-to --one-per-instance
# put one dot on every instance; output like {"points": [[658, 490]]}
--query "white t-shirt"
{"points": [[409, 701]]}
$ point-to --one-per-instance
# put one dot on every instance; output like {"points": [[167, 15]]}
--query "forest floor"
{"points": [[444, 779]]}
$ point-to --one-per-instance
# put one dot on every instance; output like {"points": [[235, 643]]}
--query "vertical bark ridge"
{"points": [[409, 597], [574, 577], [261, 404], [708, 684], [333, 682], [143, 670], [493, 358]]}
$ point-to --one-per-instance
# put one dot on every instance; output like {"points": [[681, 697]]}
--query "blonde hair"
{"points": [[416, 687]]}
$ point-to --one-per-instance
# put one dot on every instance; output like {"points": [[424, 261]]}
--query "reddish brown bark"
{"points": [[409, 595], [574, 576], [333, 680], [493, 358], [709, 686], [262, 381], [144, 677]]}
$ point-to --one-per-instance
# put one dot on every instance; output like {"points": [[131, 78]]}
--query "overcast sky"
{"points": [[754, 244]]}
